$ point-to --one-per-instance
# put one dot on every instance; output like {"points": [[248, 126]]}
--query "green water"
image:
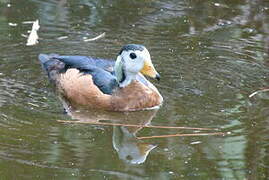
{"points": [[211, 55]]}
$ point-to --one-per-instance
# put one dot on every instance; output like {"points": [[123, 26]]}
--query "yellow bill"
{"points": [[149, 70]]}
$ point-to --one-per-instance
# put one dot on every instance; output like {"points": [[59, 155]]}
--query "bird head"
{"points": [[134, 59]]}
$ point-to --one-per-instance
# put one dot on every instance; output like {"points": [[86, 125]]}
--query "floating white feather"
{"points": [[33, 37]]}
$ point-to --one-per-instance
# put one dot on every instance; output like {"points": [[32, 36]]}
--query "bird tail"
{"points": [[51, 65]]}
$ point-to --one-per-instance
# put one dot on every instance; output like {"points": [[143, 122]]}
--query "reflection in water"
{"points": [[125, 143], [129, 148]]}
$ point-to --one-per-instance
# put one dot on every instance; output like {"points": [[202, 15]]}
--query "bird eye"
{"points": [[132, 55]]}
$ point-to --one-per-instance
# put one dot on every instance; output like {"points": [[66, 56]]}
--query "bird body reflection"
{"points": [[129, 148]]}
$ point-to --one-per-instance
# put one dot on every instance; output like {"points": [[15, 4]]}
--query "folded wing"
{"points": [[101, 70]]}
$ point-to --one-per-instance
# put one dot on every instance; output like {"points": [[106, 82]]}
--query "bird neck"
{"points": [[128, 78], [123, 77]]}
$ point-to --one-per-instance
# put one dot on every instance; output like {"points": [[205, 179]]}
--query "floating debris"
{"points": [[196, 142], [24, 35], [62, 37], [28, 22], [182, 135], [95, 38], [256, 92], [152, 126], [32, 104], [33, 37], [13, 24], [135, 125]]}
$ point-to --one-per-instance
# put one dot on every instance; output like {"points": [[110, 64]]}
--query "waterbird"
{"points": [[97, 83]]}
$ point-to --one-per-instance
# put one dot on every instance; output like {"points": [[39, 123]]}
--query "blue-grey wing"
{"points": [[104, 79], [83, 62]]}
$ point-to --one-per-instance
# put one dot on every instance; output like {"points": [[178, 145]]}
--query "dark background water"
{"points": [[211, 56]]}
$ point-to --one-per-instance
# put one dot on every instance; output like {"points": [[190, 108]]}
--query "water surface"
{"points": [[211, 56]]}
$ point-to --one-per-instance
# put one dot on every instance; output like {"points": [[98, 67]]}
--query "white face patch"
{"points": [[130, 62], [134, 60]]}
